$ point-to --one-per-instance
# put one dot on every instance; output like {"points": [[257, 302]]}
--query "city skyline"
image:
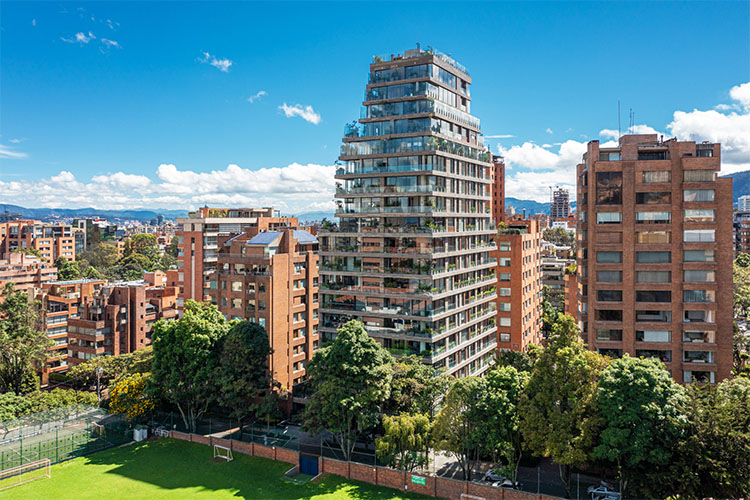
{"points": [[105, 106]]}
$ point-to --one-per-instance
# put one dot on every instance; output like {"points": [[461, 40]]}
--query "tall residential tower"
{"points": [[411, 257]]}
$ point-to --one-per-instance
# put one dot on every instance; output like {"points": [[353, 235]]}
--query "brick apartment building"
{"points": [[51, 240], [519, 297], [497, 176], [26, 272], [198, 242], [655, 261], [271, 278], [90, 318]]}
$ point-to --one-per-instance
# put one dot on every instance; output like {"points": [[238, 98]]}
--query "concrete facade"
{"points": [[51, 240]]}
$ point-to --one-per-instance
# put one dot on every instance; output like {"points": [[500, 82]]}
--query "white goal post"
{"points": [[223, 452], [161, 432], [25, 473], [466, 496]]}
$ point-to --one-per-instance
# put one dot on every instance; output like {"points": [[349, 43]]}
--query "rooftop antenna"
{"points": [[618, 120]]}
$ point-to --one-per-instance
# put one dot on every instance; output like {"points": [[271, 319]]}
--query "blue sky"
{"points": [[147, 104]]}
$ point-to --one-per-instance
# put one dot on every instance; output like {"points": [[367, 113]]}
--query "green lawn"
{"points": [[173, 469]]}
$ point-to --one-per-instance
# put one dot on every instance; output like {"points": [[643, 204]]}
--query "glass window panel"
{"points": [[650, 198], [699, 296], [698, 256], [653, 335], [608, 334], [654, 316], [653, 236], [653, 217], [657, 176], [699, 215], [698, 195], [699, 235], [609, 295], [609, 217], [653, 296], [609, 276], [699, 276], [646, 257], [653, 276], [608, 315], [699, 175], [608, 257], [609, 188]]}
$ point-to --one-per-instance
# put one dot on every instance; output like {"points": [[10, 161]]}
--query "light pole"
{"points": [[98, 378]]}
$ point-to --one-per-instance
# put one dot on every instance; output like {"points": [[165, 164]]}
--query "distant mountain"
{"points": [[41, 213], [313, 216], [532, 207], [740, 184]]}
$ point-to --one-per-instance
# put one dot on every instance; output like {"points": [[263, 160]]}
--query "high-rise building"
{"points": [[743, 203], [655, 254], [271, 278], [519, 301], [497, 176], [411, 257], [198, 242], [51, 240], [559, 207]]}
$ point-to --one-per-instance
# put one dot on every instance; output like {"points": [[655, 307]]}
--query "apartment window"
{"points": [[609, 156], [653, 335], [699, 235], [608, 334], [504, 306], [250, 288], [608, 257], [223, 285], [663, 356], [609, 217], [653, 197], [698, 256], [700, 215], [261, 305], [609, 188], [503, 261], [699, 296], [653, 237], [699, 276], [698, 356], [653, 276], [299, 267], [223, 302], [701, 316], [699, 175], [504, 322], [612, 353], [654, 316], [237, 303], [503, 246], [261, 288], [698, 195], [653, 296], [653, 217], [656, 176], [609, 276], [608, 238], [698, 377], [503, 276], [653, 257], [609, 295], [608, 315], [236, 286], [698, 336], [503, 292]]}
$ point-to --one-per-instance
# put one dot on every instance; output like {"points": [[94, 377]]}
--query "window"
{"points": [[698, 356], [237, 303], [608, 257], [236, 286], [656, 176], [653, 237], [609, 156], [504, 321], [503, 276], [653, 257], [653, 296], [651, 198], [653, 155], [608, 238], [663, 356], [654, 316], [504, 306], [698, 256], [261, 305], [505, 337], [608, 334], [503, 246], [612, 353], [609, 295], [698, 316], [503, 261], [699, 175], [653, 276], [609, 188], [698, 377], [653, 335], [698, 195], [698, 336], [609, 218], [699, 276], [609, 276], [503, 292], [653, 217], [699, 296], [699, 235], [608, 315], [699, 215]]}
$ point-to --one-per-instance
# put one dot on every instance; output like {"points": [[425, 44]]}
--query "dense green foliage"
{"points": [[141, 253], [83, 375], [415, 388], [559, 236], [14, 406], [406, 441]]}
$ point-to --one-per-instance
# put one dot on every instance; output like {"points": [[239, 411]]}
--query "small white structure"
{"points": [[223, 452], [140, 433]]}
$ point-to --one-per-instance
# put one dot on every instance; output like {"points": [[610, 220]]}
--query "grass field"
{"points": [[172, 469]]}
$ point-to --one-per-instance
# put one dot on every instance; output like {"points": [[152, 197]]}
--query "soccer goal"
{"points": [[161, 432], [24, 473], [223, 452]]}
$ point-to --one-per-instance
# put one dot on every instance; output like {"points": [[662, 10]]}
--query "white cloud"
{"points": [[549, 130], [80, 38], [257, 96], [111, 43], [220, 64], [294, 188], [499, 136], [33, 22], [741, 94], [307, 113], [7, 153]]}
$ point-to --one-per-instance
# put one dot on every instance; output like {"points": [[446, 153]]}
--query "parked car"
{"points": [[493, 477], [602, 493], [507, 483]]}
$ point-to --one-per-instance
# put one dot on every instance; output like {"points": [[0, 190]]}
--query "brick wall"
{"points": [[197, 438], [337, 467], [264, 451], [362, 472], [449, 488], [289, 456], [242, 447], [391, 478]]}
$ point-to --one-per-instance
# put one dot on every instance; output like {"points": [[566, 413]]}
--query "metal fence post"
{"points": [[538, 479]]}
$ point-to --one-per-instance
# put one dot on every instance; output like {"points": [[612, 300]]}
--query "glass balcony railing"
{"points": [[412, 144], [390, 189]]}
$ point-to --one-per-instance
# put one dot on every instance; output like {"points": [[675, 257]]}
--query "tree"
{"points": [[185, 363], [458, 428], [505, 385], [173, 248], [415, 388], [101, 256], [28, 251], [144, 244], [243, 368], [741, 281], [83, 375], [712, 458], [558, 411], [405, 444], [129, 396], [639, 407], [520, 360], [559, 236], [350, 380], [743, 260], [131, 267], [67, 270], [23, 346], [13, 406]]}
